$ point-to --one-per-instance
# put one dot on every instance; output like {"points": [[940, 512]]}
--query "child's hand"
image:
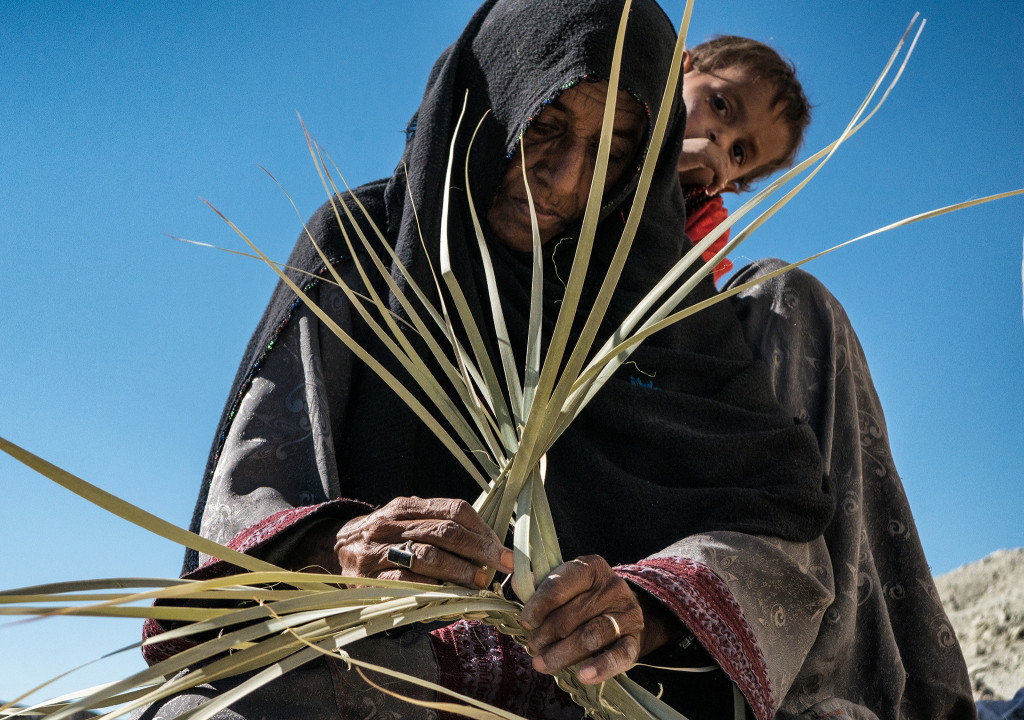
{"points": [[702, 162]]}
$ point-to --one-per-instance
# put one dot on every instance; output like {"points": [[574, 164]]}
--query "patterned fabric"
{"points": [[260, 533], [476, 660], [704, 603], [272, 538], [850, 624]]}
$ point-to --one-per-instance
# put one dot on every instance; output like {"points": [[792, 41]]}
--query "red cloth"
{"points": [[703, 220]]}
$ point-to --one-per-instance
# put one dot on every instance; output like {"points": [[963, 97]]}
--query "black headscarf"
{"points": [[687, 438]]}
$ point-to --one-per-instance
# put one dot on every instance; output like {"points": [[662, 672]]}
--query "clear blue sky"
{"points": [[120, 344]]}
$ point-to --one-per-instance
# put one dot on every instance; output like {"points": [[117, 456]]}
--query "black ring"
{"points": [[401, 555]]}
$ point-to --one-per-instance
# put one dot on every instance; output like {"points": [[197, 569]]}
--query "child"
{"points": [[745, 118]]}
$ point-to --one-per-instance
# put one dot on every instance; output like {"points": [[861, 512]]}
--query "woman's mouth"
{"points": [[545, 215]]}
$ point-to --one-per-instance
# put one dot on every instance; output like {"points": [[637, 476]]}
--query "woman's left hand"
{"points": [[583, 611]]}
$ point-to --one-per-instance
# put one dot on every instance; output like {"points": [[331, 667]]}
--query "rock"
{"points": [[985, 604]]}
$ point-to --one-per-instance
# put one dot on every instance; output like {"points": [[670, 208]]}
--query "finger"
{"points": [[619, 658], [591, 637], [482, 546], [561, 622], [618, 612], [490, 551], [406, 576], [362, 547], [451, 537], [456, 539], [433, 562], [559, 588], [689, 157]]}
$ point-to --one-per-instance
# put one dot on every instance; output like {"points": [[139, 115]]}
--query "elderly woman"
{"points": [[727, 498]]}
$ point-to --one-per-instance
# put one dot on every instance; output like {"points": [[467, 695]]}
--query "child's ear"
{"points": [[687, 62]]}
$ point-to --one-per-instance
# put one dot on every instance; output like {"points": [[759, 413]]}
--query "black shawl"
{"points": [[687, 438]]}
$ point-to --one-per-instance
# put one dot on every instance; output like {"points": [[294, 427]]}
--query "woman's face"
{"points": [[560, 146]]}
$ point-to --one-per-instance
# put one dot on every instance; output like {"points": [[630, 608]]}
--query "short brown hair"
{"points": [[723, 51]]}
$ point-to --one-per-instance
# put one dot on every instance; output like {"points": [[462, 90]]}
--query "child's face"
{"points": [[731, 127]]}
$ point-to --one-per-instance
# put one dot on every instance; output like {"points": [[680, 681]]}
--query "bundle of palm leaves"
{"points": [[497, 424]]}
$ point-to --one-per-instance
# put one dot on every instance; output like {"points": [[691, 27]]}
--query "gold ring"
{"points": [[615, 624], [401, 555]]}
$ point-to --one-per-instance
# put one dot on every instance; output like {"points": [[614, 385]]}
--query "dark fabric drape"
{"points": [[686, 438]]}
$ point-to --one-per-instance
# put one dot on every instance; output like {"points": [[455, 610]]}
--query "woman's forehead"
{"points": [[585, 102]]}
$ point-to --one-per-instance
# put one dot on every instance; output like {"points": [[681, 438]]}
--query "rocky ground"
{"points": [[985, 603]]}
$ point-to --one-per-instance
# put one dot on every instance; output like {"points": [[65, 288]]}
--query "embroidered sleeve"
{"points": [[755, 603], [704, 603], [476, 660]]}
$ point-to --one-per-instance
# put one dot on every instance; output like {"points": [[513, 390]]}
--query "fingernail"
{"points": [[588, 674], [526, 625], [508, 559], [539, 665], [481, 579]]}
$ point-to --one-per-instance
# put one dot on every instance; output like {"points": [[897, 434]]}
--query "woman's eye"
{"points": [[543, 128], [617, 154]]}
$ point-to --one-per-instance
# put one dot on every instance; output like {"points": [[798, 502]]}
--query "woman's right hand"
{"points": [[450, 542]]}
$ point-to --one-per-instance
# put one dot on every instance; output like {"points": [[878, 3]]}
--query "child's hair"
{"points": [[766, 64]]}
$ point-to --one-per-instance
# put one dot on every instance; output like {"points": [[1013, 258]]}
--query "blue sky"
{"points": [[120, 344]]}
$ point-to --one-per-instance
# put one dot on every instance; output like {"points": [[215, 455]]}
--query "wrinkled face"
{"points": [[733, 109], [560, 146]]}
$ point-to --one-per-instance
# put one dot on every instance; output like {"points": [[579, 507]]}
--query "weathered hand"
{"points": [[583, 611], [702, 162], [450, 543]]}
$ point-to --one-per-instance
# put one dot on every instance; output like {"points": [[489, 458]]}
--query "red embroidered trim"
{"points": [[247, 541], [703, 602], [476, 660], [157, 652], [259, 533]]}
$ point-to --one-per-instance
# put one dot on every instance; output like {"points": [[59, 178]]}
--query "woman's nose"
{"points": [[564, 171]]}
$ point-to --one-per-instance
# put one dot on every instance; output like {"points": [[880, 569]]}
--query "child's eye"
{"points": [[739, 154], [718, 103]]}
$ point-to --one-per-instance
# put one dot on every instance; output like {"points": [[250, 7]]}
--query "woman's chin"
{"points": [[513, 229]]}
